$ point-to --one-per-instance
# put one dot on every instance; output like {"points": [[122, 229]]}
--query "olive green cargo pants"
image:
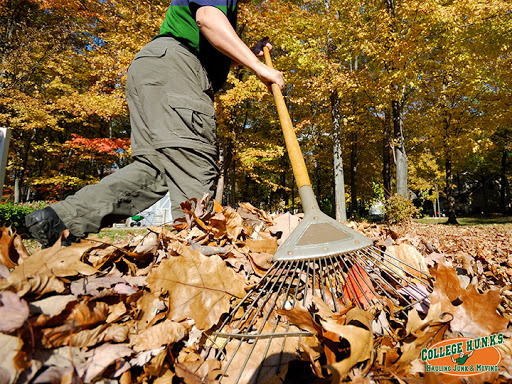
{"points": [[173, 140]]}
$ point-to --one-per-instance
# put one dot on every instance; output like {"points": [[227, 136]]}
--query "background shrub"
{"points": [[400, 209]]}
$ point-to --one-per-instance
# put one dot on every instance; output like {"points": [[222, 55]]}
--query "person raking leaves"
{"points": [[169, 91]]}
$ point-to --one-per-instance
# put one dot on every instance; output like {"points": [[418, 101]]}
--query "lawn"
{"points": [[479, 220]]}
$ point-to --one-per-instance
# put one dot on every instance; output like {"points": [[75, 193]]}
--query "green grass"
{"points": [[110, 235], [118, 234], [480, 220]]}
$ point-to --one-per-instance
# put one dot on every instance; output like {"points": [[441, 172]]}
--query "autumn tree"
{"points": [[457, 82], [62, 72]]}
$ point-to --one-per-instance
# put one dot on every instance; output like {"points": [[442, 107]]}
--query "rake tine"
{"points": [[373, 250], [332, 289], [368, 283], [306, 284], [295, 268], [348, 284], [299, 281], [321, 278], [247, 312], [392, 276], [314, 278], [260, 307], [264, 321], [340, 284], [258, 372], [275, 269]]}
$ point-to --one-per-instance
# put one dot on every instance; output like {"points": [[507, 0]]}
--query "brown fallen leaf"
{"points": [[52, 305], [423, 337], [268, 246], [67, 335], [199, 287], [148, 245], [19, 248], [474, 313], [284, 225], [313, 357], [148, 306], [166, 378], [38, 284], [359, 337], [227, 223], [261, 261], [262, 215], [13, 312], [88, 313], [165, 333], [409, 255], [301, 317], [55, 261], [76, 325], [12, 250], [94, 285], [100, 359], [9, 348], [192, 368]]}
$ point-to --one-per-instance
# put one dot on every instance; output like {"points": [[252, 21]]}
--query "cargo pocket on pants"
{"points": [[196, 119]]}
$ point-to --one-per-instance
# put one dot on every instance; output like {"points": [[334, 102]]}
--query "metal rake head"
{"points": [[254, 341]]}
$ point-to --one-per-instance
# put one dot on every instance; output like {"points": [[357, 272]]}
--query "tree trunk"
{"points": [[504, 183], [339, 206], [221, 182], [386, 157], [339, 179], [17, 191], [353, 175], [316, 168], [485, 209], [452, 219], [399, 149], [231, 177], [225, 162]]}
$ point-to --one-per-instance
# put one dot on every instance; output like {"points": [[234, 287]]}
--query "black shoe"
{"points": [[46, 227]]}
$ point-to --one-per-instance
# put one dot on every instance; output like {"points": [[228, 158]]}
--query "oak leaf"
{"points": [[67, 335], [474, 313], [227, 223], [268, 246], [199, 287], [166, 378], [357, 332], [194, 369]]}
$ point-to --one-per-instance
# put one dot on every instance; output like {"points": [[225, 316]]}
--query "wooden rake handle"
{"points": [[292, 145]]}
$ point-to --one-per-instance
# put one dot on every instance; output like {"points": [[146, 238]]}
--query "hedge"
{"points": [[14, 214]]}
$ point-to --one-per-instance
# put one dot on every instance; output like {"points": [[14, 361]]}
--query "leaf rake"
{"points": [[320, 259]]}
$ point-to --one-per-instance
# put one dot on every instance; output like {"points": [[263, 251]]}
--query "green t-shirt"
{"points": [[180, 22]]}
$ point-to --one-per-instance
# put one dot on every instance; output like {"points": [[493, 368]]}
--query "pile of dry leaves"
{"points": [[142, 311]]}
